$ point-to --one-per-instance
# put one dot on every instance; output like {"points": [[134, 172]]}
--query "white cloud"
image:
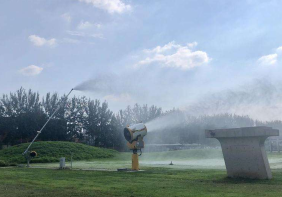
{"points": [[101, 36], [86, 25], [39, 41], [160, 49], [192, 45], [76, 33], [66, 17], [279, 49], [268, 59], [112, 6], [98, 26], [271, 59], [31, 70], [83, 34], [177, 56]]}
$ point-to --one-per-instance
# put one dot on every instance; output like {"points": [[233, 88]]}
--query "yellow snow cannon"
{"points": [[134, 135]]}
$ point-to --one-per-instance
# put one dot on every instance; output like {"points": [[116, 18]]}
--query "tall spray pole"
{"points": [[38, 132]]}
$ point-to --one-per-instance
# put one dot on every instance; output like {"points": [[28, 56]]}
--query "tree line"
{"points": [[24, 112]]}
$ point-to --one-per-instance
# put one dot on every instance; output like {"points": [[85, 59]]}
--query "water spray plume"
{"points": [[169, 120], [102, 83], [38, 132]]}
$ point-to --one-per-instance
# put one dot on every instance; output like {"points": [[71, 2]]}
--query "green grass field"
{"points": [[154, 182], [194, 173], [52, 151]]}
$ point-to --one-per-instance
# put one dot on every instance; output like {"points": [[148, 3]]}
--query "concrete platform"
{"points": [[243, 150]]}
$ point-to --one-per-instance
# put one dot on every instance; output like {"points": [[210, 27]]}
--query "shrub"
{"points": [[12, 164], [2, 163]]}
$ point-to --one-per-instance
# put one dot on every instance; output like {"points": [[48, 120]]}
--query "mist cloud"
{"points": [[261, 100]]}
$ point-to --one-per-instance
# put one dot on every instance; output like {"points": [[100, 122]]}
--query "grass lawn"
{"points": [[52, 151], [194, 173], [160, 182]]}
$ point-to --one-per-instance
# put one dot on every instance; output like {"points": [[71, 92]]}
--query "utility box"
{"points": [[243, 150], [62, 162]]}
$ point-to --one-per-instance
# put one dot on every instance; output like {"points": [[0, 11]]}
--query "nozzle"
{"points": [[69, 93]]}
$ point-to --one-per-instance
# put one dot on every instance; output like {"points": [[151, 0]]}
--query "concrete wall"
{"points": [[243, 150]]}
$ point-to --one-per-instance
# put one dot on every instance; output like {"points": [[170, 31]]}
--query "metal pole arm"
{"points": [[38, 132]]}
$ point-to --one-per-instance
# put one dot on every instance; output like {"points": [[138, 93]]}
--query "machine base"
{"points": [[128, 170]]}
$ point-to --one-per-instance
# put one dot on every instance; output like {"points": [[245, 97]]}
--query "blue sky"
{"points": [[170, 52]]}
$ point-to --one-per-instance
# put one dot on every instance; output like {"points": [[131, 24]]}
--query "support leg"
{"points": [[135, 162], [28, 160]]}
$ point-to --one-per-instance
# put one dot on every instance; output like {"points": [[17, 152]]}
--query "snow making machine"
{"points": [[134, 135]]}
